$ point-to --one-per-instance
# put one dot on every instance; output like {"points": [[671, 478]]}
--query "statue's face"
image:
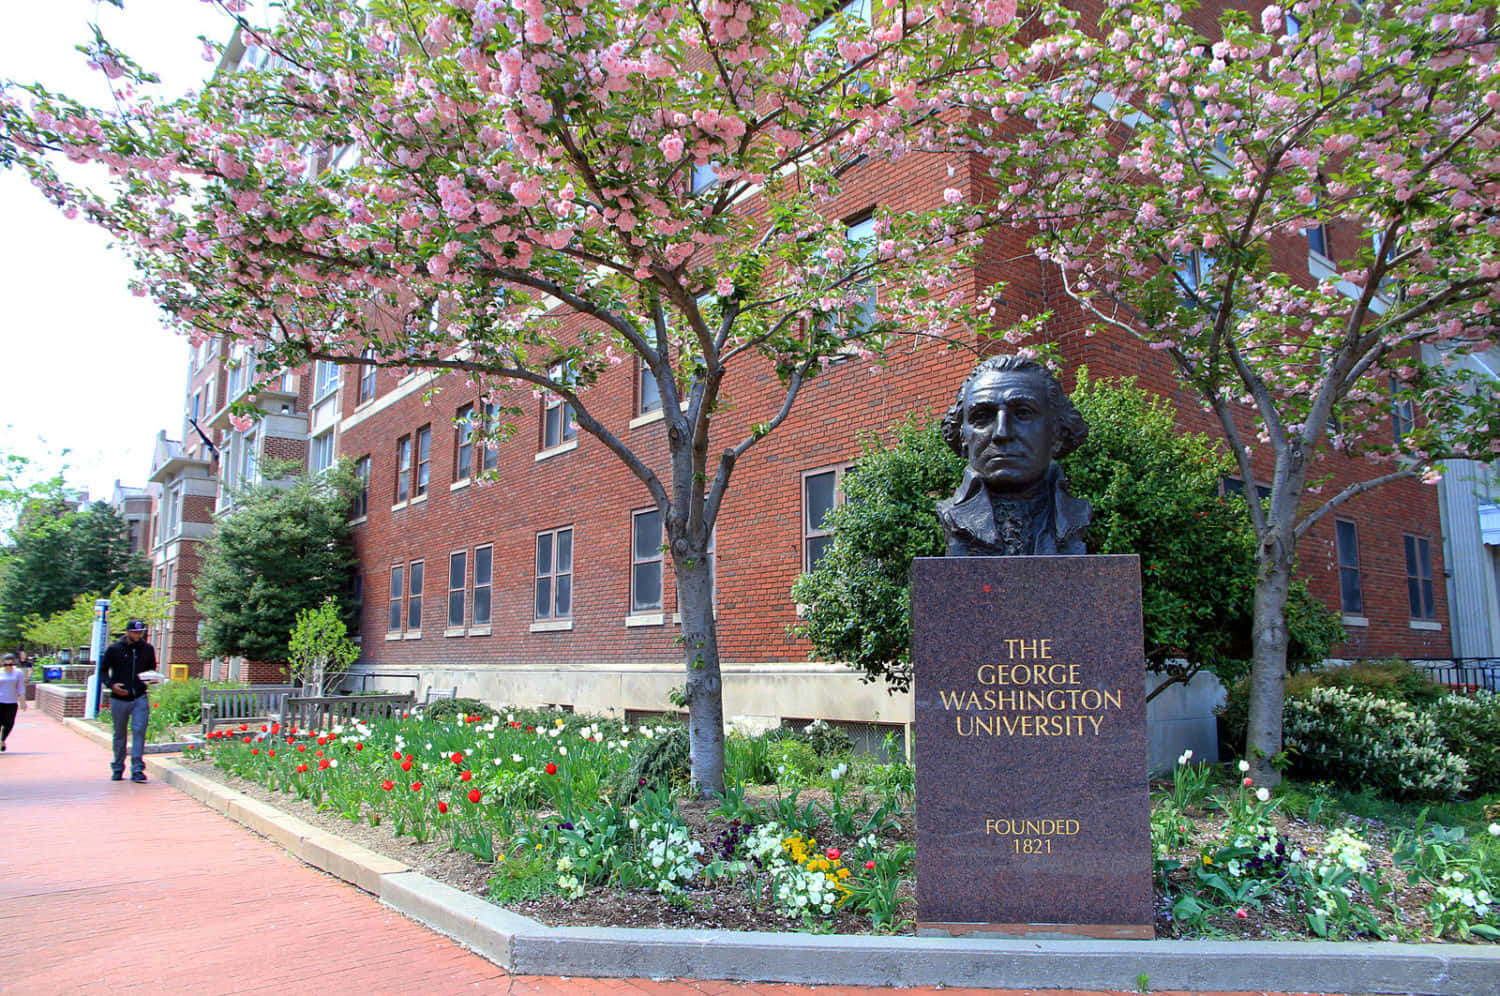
{"points": [[1009, 431]]}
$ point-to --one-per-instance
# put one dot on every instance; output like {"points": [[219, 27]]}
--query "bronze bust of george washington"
{"points": [[1012, 421]]}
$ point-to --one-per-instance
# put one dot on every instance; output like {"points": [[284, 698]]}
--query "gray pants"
{"points": [[136, 714]]}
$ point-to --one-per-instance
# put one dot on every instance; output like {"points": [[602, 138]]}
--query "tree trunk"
{"points": [[700, 644], [1270, 637]]}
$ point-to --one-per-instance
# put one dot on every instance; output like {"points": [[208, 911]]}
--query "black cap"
{"points": [[135, 626]]}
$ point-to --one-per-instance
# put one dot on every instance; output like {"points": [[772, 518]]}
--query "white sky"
{"points": [[88, 367]]}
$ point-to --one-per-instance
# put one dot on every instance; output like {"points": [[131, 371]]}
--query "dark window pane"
{"points": [[564, 594], [819, 498], [482, 606], [564, 551], [482, 560], [647, 535], [1414, 597], [544, 553], [456, 565], [415, 584], [414, 613], [543, 598], [645, 586], [456, 607], [816, 547]]}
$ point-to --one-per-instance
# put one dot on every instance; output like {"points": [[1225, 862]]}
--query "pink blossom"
{"points": [[241, 423], [671, 147], [952, 195]]}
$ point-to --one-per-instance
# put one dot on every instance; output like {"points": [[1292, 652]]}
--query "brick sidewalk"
{"points": [[110, 886]]}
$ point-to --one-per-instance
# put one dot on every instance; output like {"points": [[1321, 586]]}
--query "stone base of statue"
{"points": [[1033, 815]]}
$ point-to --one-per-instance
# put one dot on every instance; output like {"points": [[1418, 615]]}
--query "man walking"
{"points": [[120, 671]]}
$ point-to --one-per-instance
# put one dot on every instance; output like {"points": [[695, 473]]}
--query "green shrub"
{"points": [[1358, 740], [1394, 679], [747, 760], [826, 740], [1471, 727], [656, 762], [446, 708]]}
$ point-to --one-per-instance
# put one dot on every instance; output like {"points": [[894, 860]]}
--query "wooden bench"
{"points": [[321, 712], [258, 703]]}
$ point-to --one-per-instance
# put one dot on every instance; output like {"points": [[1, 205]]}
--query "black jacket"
{"points": [[121, 662]]}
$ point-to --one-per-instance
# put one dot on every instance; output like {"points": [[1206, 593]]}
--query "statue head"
{"points": [[1010, 421]]}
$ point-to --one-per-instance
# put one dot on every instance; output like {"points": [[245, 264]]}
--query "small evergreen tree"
{"points": [[1156, 493], [284, 549]]}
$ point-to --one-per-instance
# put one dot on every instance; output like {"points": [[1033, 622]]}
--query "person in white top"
{"points": [[12, 695]]}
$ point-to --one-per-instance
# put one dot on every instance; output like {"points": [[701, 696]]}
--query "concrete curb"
{"points": [[526, 947]]}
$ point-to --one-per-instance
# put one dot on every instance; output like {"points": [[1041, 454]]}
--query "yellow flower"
{"points": [[843, 873], [1207, 860]]}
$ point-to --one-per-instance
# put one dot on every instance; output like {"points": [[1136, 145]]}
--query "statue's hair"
{"points": [[1070, 430]]}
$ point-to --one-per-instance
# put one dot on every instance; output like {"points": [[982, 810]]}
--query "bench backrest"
{"points": [[224, 705], [322, 712]]}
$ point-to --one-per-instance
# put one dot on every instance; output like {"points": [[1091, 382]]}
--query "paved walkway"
{"points": [[111, 886]]}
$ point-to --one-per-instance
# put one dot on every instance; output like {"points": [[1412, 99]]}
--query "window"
{"points": [[554, 574], [174, 510], [1419, 577], [398, 580], [491, 450], [321, 457], [249, 460], [414, 598], [326, 375], [1403, 416], [703, 177], [458, 583], [861, 238], [648, 392], [1317, 239], [821, 491], [463, 441], [362, 497], [484, 558], [1351, 596], [424, 458], [367, 374], [645, 561], [558, 423], [1193, 271], [403, 469]]}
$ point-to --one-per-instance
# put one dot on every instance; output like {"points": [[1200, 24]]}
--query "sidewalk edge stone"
{"points": [[474, 923]]}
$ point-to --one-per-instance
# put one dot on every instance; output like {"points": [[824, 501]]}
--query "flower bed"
{"points": [[547, 815]]}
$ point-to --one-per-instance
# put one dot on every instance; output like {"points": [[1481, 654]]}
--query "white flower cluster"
{"points": [[796, 888], [1367, 740], [669, 857], [1340, 851], [1456, 892]]}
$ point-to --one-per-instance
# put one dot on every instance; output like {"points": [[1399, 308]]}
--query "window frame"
{"points": [[1403, 413], [361, 505], [422, 462], [367, 378], [553, 615], [396, 608], [460, 560], [325, 442], [1421, 595], [1346, 555], [567, 418], [476, 625], [812, 533], [416, 578], [463, 442], [403, 470], [645, 377], [491, 454], [326, 379], [652, 558]]}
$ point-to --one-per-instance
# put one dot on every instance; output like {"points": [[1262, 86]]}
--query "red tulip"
{"points": [[474, 796], [833, 854], [359, 746], [271, 752], [387, 784], [254, 751], [465, 775], [244, 726], [245, 739], [416, 786], [301, 768], [551, 768], [457, 758], [870, 865], [395, 755], [406, 765], [442, 807], [323, 764]]}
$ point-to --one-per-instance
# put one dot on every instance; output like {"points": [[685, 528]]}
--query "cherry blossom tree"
{"points": [[531, 192], [1299, 210]]}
